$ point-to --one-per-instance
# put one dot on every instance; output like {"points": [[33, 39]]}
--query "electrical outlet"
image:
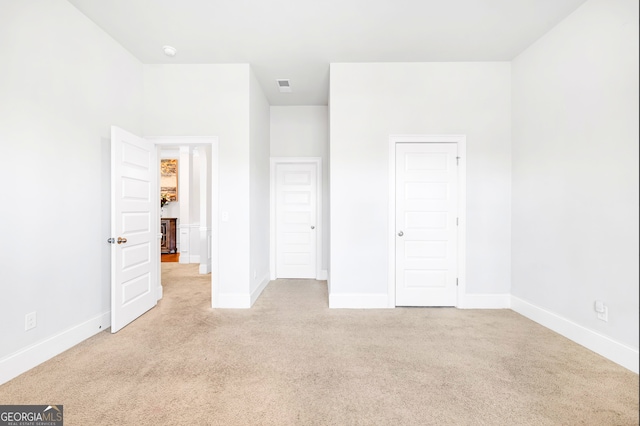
{"points": [[30, 321], [602, 310], [604, 315], [599, 306]]}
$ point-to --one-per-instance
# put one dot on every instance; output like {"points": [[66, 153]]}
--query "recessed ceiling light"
{"points": [[169, 51]]}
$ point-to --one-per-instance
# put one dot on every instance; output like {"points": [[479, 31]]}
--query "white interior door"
{"points": [[426, 224], [134, 227], [296, 220]]}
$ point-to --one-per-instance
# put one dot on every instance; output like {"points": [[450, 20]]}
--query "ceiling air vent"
{"points": [[284, 85]]}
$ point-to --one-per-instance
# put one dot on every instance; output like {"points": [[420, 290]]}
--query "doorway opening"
{"points": [[193, 216]]}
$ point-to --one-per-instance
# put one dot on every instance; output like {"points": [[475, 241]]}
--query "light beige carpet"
{"points": [[291, 361]]}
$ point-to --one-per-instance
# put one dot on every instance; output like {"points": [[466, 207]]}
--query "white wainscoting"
{"points": [[184, 242]]}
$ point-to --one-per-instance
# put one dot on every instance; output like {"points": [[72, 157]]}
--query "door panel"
{"points": [[296, 215], [134, 261], [426, 230]]}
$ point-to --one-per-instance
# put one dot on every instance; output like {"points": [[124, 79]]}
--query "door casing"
{"points": [[461, 141]]}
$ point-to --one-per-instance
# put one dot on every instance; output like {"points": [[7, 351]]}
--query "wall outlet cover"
{"points": [[30, 321], [604, 315], [599, 306]]}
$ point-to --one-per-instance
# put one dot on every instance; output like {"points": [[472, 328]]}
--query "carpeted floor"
{"points": [[291, 361]]}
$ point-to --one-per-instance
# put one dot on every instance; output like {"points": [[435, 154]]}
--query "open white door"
{"points": [[134, 227]]}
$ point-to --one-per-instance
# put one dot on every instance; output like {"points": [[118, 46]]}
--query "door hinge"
{"points": [[457, 161], [457, 221], [456, 282]]}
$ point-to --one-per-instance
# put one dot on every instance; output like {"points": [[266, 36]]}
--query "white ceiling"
{"points": [[297, 39]]}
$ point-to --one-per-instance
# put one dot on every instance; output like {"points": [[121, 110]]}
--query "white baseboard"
{"points": [[234, 301], [204, 268], [258, 291], [323, 275], [615, 351], [485, 301], [358, 301], [25, 359], [194, 258]]}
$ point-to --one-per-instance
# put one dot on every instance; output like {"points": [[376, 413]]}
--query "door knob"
{"points": [[121, 240], [313, 227], [400, 234]]}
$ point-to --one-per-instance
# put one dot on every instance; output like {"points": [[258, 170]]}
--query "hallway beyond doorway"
{"points": [[170, 257]]}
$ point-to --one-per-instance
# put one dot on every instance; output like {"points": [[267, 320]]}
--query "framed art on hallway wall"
{"points": [[169, 178]]}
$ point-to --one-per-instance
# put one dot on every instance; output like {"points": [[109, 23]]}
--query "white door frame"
{"points": [[275, 161], [461, 141], [211, 141]]}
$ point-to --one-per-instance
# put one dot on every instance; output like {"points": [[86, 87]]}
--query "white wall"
{"points": [[369, 102], [212, 100], [303, 131], [575, 170], [63, 83], [259, 192]]}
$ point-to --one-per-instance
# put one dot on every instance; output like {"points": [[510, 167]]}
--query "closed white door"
{"points": [[426, 224], [134, 228], [296, 220]]}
